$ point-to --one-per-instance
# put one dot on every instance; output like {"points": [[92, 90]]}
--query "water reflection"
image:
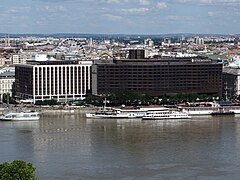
{"points": [[17, 140], [20, 124]]}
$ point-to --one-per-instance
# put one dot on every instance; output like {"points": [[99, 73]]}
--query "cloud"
{"points": [[161, 5], [111, 1], [223, 14], [111, 17], [144, 2], [211, 14], [178, 18], [136, 10], [55, 9], [15, 10], [214, 14]]}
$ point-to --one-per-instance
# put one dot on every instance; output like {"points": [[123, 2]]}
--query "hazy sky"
{"points": [[120, 16]]}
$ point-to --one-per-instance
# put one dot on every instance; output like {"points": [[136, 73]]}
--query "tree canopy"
{"points": [[17, 170]]}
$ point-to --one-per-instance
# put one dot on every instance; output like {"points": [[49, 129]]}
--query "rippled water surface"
{"points": [[72, 147]]}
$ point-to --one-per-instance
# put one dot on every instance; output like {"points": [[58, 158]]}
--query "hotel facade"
{"points": [[158, 77], [60, 80]]}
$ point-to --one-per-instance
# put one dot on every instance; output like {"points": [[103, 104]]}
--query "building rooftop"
{"points": [[159, 61], [55, 62]]}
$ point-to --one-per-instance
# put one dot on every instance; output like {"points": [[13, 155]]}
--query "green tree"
{"points": [[94, 100], [6, 98], [17, 170], [50, 102], [128, 97]]}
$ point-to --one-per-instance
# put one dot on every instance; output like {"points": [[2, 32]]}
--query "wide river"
{"points": [[73, 147]]}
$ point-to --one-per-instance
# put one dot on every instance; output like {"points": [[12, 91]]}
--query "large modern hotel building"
{"points": [[156, 77], [58, 79]]}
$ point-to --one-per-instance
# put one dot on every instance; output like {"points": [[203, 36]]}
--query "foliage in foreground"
{"points": [[17, 170]]}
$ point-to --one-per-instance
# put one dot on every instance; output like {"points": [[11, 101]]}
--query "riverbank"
{"points": [[50, 110], [69, 110]]}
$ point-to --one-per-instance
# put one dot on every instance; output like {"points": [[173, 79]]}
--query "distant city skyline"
{"points": [[120, 16]]}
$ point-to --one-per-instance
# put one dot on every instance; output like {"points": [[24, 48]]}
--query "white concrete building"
{"points": [[21, 58], [6, 83], [2, 61], [231, 79], [54, 79]]}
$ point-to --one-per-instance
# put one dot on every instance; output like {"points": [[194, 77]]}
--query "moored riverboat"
{"points": [[221, 110], [20, 116], [208, 108], [166, 114]]}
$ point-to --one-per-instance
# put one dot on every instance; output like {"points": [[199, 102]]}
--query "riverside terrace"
{"points": [[158, 77]]}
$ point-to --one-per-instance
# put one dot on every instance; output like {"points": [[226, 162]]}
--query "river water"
{"points": [[72, 147]]}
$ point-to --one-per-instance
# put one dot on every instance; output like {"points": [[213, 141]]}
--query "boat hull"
{"points": [[166, 118], [99, 116], [222, 113], [19, 119]]}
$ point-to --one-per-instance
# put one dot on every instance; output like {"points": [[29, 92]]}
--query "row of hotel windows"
{"points": [[56, 73], [161, 86], [3, 91], [161, 73], [172, 81], [62, 75], [63, 68], [115, 77], [52, 90], [159, 79], [157, 90], [2, 86], [160, 68], [158, 72], [6, 81]]}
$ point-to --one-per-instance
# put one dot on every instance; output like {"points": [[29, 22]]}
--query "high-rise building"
{"points": [[158, 76], [136, 54], [60, 80], [198, 40]]}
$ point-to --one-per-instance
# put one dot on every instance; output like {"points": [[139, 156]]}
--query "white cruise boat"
{"points": [[164, 115], [20, 116], [197, 111], [138, 112], [208, 108], [200, 108]]}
